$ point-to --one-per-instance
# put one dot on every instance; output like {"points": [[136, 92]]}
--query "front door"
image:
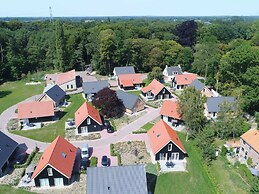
{"points": [[58, 182], [44, 182]]}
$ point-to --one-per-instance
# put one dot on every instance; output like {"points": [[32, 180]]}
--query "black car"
{"points": [[108, 126], [21, 158], [84, 163], [105, 161]]}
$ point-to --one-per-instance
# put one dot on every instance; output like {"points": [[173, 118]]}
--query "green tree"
{"points": [[192, 110], [255, 186], [156, 73]]}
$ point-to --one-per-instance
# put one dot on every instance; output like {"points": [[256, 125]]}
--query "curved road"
{"points": [[113, 138]]}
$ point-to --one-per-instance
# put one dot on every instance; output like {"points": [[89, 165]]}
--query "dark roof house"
{"points": [[173, 70], [91, 88], [198, 85], [213, 103], [123, 70], [7, 148], [54, 93], [130, 101], [117, 180]]}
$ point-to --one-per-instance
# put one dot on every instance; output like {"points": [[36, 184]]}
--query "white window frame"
{"points": [[58, 182], [50, 171], [88, 121], [45, 181], [170, 147]]}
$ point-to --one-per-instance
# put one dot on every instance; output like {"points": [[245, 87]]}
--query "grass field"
{"points": [[227, 177], [195, 181], [13, 92], [135, 92], [50, 132], [6, 189]]}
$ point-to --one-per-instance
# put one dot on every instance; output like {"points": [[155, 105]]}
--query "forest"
{"points": [[225, 52]]}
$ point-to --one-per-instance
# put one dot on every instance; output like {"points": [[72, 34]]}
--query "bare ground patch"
{"points": [[126, 119], [132, 152], [70, 135], [13, 177]]}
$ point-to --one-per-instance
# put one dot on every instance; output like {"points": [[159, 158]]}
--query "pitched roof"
{"points": [[172, 69], [124, 70], [197, 85], [7, 147], [29, 110], [60, 154], [117, 180], [170, 109], [94, 87], [161, 134], [155, 87], [128, 80], [87, 110], [185, 79], [213, 103], [55, 93], [61, 78], [252, 138], [129, 100]]}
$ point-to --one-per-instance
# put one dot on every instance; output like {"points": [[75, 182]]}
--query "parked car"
{"points": [[108, 126], [71, 122], [85, 151], [84, 163], [21, 158], [105, 161]]}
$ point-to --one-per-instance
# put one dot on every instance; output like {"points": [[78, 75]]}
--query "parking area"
{"points": [[101, 151], [85, 77]]}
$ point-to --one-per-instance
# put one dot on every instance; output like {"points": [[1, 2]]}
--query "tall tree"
{"points": [[186, 33], [192, 110], [107, 102], [156, 73]]}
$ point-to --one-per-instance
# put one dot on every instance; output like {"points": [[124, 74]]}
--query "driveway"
{"points": [[85, 77]]}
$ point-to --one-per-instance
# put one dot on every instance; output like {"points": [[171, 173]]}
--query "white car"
{"points": [[85, 151]]}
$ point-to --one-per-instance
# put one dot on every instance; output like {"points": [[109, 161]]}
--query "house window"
{"points": [[71, 86], [88, 121], [249, 148], [67, 86], [244, 142], [163, 91], [246, 153], [242, 149], [50, 173], [175, 72], [214, 114], [170, 147]]}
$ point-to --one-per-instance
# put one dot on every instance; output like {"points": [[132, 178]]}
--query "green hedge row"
{"points": [[112, 153], [28, 161], [93, 161], [139, 132]]}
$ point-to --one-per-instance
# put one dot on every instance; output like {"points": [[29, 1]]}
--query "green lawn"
{"points": [[50, 132], [227, 178], [6, 189], [135, 92], [13, 92], [196, 180], [147, 126], [146, 81]]}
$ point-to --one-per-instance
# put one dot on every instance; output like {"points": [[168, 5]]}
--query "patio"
{"points": [[31, 126], [173, 166]]}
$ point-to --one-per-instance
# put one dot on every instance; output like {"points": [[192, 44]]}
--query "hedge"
{"points": [[112, 153], [28, 161], [93, 161], [139, 132]]}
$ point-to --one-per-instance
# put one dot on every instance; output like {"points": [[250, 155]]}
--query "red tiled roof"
{"points": [[155, 87], [252, 138], [185, 79], [161, 134], [60, 154], [61, 78], [29, 110], [128, 80], [87, 110], [170, 109]]}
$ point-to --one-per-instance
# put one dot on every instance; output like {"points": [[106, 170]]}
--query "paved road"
{"points": [[113, 138]]}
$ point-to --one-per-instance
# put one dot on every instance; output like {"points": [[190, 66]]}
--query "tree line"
{"points": [[226, 53]]}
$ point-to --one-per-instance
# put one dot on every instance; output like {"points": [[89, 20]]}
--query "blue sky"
{"points": [[32, 8]]}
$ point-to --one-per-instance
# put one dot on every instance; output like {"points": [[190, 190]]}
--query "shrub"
{"points": [[139, 131], [93, 161], [245, 172], [119, 159], [223, 151], [249, 161], [257, 117], [112, 153], [158, 166]]}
